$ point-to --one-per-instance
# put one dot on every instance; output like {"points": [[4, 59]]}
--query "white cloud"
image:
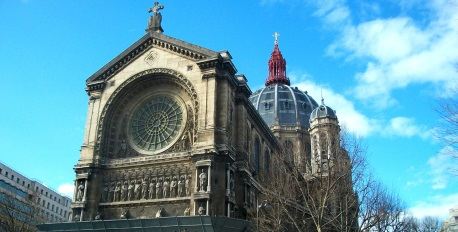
{"points": [[437, 206], [397, 51], [349, 118], [66, 189], [442, 165], [355, 121], [405, 127]]}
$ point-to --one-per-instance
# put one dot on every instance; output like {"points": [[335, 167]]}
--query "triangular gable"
{"points": [[152, 39]]}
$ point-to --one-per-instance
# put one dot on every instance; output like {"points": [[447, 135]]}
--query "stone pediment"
{"points": [[151, 39]]}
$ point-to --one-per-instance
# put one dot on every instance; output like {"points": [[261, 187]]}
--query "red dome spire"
{"points": [[277, 66]]}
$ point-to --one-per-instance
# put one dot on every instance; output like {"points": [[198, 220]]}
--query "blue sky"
{"points": [[382, 65]]}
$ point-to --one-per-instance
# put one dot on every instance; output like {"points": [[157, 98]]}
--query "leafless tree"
{"points": [[448, 128], [18, 213], [342, 196]]}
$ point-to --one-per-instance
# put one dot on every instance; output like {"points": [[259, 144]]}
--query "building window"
{"points": [[41, 191], [47, 206], [17, 180], [267, 161], [6, 174], [12, 177], [1, 170], [257, 151]]}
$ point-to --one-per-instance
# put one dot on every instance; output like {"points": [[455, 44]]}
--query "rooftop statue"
{"points": [[155, 20]]}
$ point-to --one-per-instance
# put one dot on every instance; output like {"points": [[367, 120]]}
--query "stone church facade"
{"points": [[173, 130]]}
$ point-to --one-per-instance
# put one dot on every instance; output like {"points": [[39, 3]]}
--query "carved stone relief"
{"points": [[145, 184], [117, 147]]}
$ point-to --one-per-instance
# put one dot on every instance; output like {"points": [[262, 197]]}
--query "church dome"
{"points": [[278, 103], [283, 105], [323, 111]]}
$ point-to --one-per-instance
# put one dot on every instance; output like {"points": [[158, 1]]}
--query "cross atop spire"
{"points": [[276, 35]]}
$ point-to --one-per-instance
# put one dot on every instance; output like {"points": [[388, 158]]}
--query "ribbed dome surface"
{"points": [[283, 105], [323, 111]]}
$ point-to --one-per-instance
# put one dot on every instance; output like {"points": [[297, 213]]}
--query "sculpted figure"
{"points": [[160, 213], [173, 187], [124, 213], [137, 190], [112, 191], [231, 182], [203, 181], [187, 185], [165, 188], [123, 147], [152, 189], [98, 216], [130, 192], [201, 210], [181, 186], [124, 189], [80, 192], [144, 189], [106, 189], [187, 212], [117, 192], [159, 188]]}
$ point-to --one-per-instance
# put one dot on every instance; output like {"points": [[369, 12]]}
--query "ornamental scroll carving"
{"points": [[138, 185], [189, 136]]}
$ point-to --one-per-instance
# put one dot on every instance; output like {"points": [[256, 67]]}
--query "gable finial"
{"points": [[276, 35], [155, 20], [322, 99]]}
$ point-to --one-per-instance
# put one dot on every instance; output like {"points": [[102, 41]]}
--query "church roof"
{"points": [[280, 104], [323, 111], [151, 39]]}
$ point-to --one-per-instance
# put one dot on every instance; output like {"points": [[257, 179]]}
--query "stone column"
{"points": [[85, 190], [209, 179], [75, 191]]}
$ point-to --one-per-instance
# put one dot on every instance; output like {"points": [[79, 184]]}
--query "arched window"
{"points": [[288, 146], [266, 161], [256, 154]]}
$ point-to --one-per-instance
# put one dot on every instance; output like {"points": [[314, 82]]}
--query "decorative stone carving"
{"points": [[187, 212], [173, 187], [203, 181], [201, 210], [232, 182], [172, 76], [161, 213], [124, 191], [181, 184], [137, 190], [98, 216], [187, 185], [117, 192], [159, 188], [124, 213], [144, 189], [76, 218], [152, 189], [130, 192], [106, 189], [112, 191], [165, 188], [80, 191]]}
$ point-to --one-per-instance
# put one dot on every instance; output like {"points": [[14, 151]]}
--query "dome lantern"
{"points": [[277, 66]]}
